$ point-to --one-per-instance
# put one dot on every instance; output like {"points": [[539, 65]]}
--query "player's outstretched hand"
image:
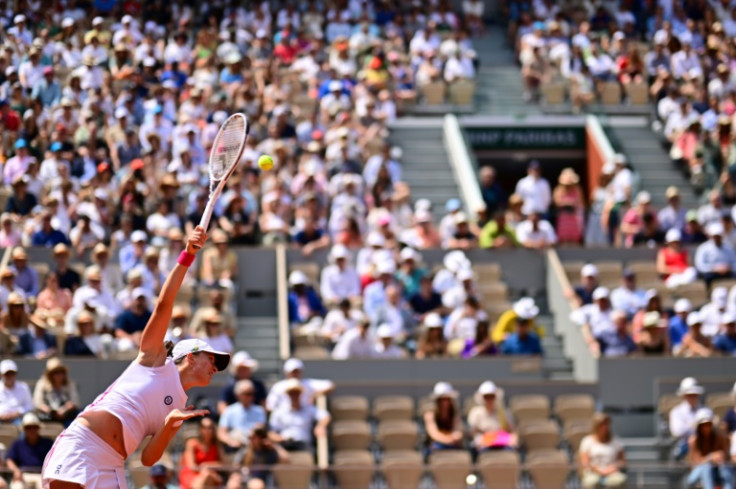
{"points": [[196, 240], [176, 417]]}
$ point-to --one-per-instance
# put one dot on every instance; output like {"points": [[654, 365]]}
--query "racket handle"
{"points": [[207, 215]]}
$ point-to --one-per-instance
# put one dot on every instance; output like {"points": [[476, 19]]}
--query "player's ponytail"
{"points": [[169, 345]]}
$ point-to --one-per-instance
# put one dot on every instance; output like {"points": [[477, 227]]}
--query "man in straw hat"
{"points": [[682, 416], [95, 290], [37, 342], [8, 286], [291, 423], [294, 369]]}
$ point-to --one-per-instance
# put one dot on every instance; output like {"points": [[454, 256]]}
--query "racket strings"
{"points": [[228, 147]]}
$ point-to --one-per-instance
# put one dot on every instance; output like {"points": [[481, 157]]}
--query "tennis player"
{"points": [[149, 398]]}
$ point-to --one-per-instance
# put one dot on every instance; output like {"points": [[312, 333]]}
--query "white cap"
{"points": [[243, 359], [408, 253], [643, 197], [338, 251], [719, 296], [433, 320], [703, 415], [121, 112], [686, 38], [487, 388], [30, 419], [422, 204], [126, 19], [293, 364], [8, 366], [67, 22], [195, 345], [589, 270], [683, 305], [97, 20], [609, 168], [660, 37], [376, 239], [600, 293], [525, 308], [101, 194], [297, 277], [335, 85], [651, 294], [689, 385], [386, 267], [443, 389], [138, 235], [19, 18], [714, 229], [694, 318], [396, 153], [139, 292], [728, 317], [455, 260], [423, 215], [464, 274], [149, 61], [384, 331], [672, 236]]}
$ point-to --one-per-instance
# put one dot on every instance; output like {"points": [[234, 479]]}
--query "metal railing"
{"points": [[282, 301], [462, 164]]}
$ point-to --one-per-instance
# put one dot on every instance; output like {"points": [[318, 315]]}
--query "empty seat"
{"points": [[311, 353], [351, 435], [393, 407], [426, 403], [529, 406], [539, 435], [309, 268], [51, 430], [638, 93], [398, 435], [572, 270], [611, 93], [574, 406], [487, 272], [140, 475], [348, 408], [493, 291], [462, 92], [575, 430], [434, 93], [353, 469], [695, 292], [553, 93], [549, 469], [666, 403], [720, 403], [296, 473], [450, 468], [499, 469], [402, 469], [646, 272]]}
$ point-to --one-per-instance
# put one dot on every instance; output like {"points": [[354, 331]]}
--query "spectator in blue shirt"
{"points": [[47, 89], [523, 341], [715, 259], [36, 342], [160, 478], [678, 322], [132, 254], [583, 293], [726, 341], [130, 323], [48, 236], [304, 302], [618, 342], [239, 418], [27, 453], [25, 277]]}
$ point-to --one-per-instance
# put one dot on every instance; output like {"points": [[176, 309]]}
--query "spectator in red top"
{"points": [[673, 262], [286, 50], [10, 118]]}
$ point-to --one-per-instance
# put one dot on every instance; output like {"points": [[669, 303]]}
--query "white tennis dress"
{"points": [[140, 398]]}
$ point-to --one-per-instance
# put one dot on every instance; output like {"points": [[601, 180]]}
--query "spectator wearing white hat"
{"points": [[304, 302], [695, 343], [432, 342], [291, 423], [356, 342], [375, 244], [294, 369], [709, 449], [132, 253], [525, 309], [715, 259], [447, 225], [15, 396], [712, 312], [339, 280], [595, 319], [682, 416], [442, 421], [654, 337], [374, 295], [409, 273], [423, 235], [26, 455], [673, 261], [617, 342], [385, 347], [490, 424], [523, 341], [242, 367], [582, 294], [628, 297], [725, 341], [678, 327]]}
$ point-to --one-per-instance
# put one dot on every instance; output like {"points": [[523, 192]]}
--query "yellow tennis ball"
{"points": [[265, 162]]}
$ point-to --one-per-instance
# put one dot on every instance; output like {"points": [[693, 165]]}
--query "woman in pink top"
{"points": [[53, 297], [633, 221], [148, 399]]}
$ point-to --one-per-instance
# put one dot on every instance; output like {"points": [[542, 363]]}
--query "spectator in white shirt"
{"points": [[375, 243], [682, 416], [686, 62], [15, 396], [710, 314], [620, 186], [339, 280], [628, 297], [672, 216], [291, 423], [535, 232], [311, 388], [713, 211], [595, 319], [534, 190], [355, 343], [340, 320], [374, 295], [385, 347]]}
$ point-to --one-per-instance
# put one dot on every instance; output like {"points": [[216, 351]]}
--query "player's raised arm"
{"points": [[152, 352]]}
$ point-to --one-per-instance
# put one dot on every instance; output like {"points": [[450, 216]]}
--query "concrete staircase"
{"points": [[651, 162], [646, 469], [425, 163], [555, 364], [259, 336]]}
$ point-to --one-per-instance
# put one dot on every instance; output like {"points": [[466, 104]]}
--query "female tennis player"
{"points": [[149, 398]]}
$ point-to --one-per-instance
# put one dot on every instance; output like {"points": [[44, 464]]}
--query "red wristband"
{"points": [[185, 259]]}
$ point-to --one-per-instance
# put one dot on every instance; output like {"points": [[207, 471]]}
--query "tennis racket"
{"points": [[224, 158]]}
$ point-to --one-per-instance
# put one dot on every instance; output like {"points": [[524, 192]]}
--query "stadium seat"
{"points": [[393, 407], [402, 469], [574, 406], [553, 93], [397, 435], [572, 270], [499, 469], [343, 408], [575, 430], [462, 92], [8, 434], [433, 93], [468, 404], [493, 291], [666, 403], [426, 403], [311, 353], [296, 473], [353, 469], [696, 293], [351, 435], [487, 272], [611, 93], [539, 435], [309, 268], [646, 273], [185, 294], [51, 430], [42, 269], [549, 469], [450, 468], [637, 93], [140, 476], [720, 403], [529, 406]]}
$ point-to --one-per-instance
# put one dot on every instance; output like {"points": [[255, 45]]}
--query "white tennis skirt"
{"points": [[82, 457]]}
